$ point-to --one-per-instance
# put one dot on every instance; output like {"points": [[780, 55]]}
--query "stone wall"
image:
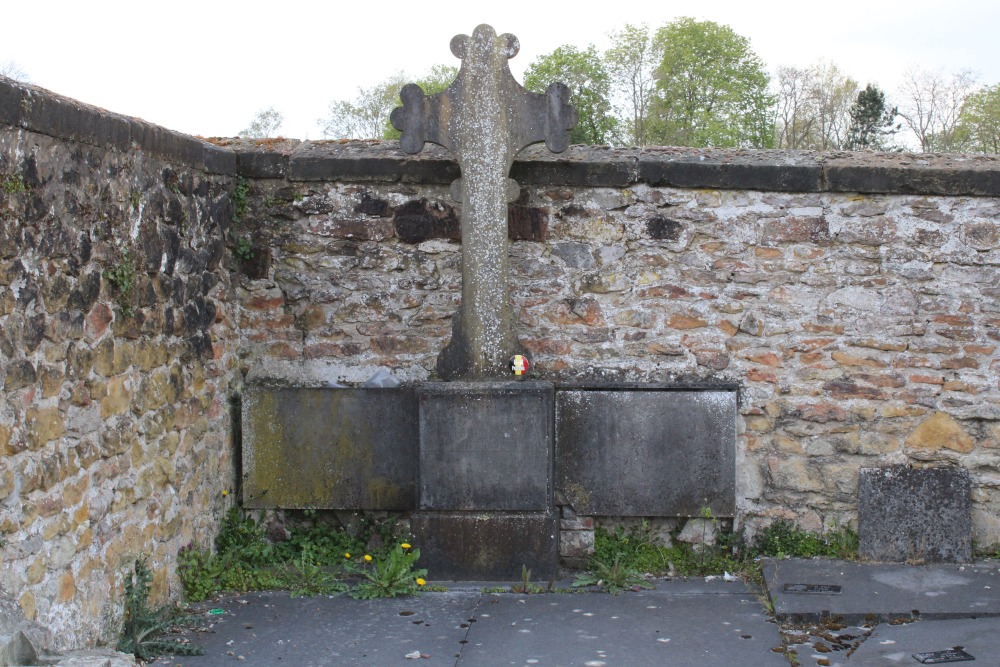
{"points": [[117, 350], [853, 297]]}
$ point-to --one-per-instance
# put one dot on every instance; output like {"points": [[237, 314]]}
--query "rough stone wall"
{"points": [[853, 298], [862, 328], [115, 432]]}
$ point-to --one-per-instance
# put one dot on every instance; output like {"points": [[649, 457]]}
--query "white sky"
{"points": [[207, 67]]}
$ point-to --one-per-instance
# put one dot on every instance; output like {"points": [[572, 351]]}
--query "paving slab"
{"points": [[273, 628], [897, 644], [881, 591], [680, 623]]}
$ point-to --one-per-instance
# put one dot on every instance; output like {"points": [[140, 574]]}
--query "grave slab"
{"points": [[907, 514], [485, 446], [882, 591], [646, 450], [493, 545], [351, 448], [897, 644]]}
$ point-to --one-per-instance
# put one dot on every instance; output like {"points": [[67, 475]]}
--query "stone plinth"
{"points": [[907, 514], [352, 449], [487, 545], [646, 450], [486, 446]]}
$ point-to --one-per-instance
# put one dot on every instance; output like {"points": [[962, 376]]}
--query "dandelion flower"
{"points": [[347, 555], [420, 581], [225, 492], [368, 558], [405, 545]]}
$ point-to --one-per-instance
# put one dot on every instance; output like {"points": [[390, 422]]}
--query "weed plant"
{"points": [[143, 628], [636, 551], [783, 539], [310, 562], [388, 577], [613, 578]]}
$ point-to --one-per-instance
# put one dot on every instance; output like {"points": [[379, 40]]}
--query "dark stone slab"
{"points": [[849, 177], [646, 452], [909, 514], [882, 591], [10, 102], [370, 161], [600, 169], [218, 160], [701, 624], [487, 545], [353, 449], [730, 176], [261, 164], [931, 642], [485, 446]]}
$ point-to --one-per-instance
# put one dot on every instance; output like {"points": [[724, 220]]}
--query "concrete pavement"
{"points": [[870, 621]]}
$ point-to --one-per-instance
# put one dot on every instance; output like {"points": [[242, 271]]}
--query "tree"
{"points": [[813, 106], [794, 119], [933, 105], [832, 96], [367, 116], [585, 75], [871, 122], [265, 124], [979, 122], [631, 62], [711, 88], [12, 70]]}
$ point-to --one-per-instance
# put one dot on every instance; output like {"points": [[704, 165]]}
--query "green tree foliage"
{"points": [[872, 123], [979, 123], [367, 115], [587, 78], [631, 62], [711, 89], [265, 124]]}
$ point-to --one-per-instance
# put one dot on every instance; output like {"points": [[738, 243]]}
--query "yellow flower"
{"points": [[420, 581], [347, 555], [368, 558], [405, 545], [225, 492]]}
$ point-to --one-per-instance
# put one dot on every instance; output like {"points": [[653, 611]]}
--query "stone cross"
{"points": [[485, 118]]}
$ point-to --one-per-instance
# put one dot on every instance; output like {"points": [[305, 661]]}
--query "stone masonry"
{"points": [[115, 431], [861, 327], [853, 298]]}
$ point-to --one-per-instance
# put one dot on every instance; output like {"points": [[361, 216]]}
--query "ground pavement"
{"points": [[881, 615]]}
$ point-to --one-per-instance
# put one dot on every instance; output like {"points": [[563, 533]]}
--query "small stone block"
{"points": [[909, 514], [486, 446], [487, 546], [646, 451], [349, 449]]}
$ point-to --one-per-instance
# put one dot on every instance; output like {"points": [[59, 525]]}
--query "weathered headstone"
{"points": [[485, 446], [485, 118], [485, 490], [646, 450], [907, 514], [343, 448]]}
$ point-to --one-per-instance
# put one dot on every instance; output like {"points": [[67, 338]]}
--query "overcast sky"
{"points": [[207, 67]]}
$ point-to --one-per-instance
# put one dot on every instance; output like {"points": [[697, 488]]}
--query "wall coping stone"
{"points": [[36, 109]]}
